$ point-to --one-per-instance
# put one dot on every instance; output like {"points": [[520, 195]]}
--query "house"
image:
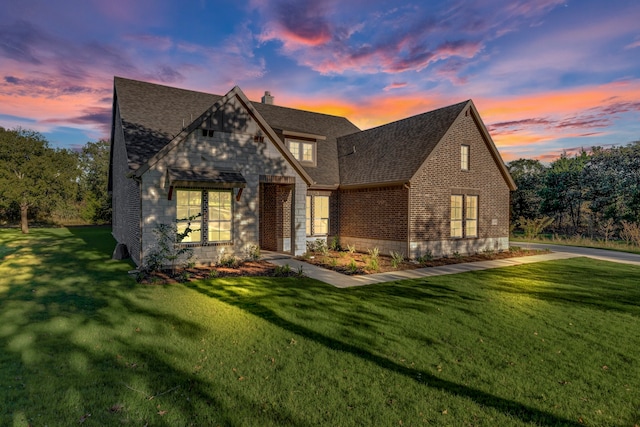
{"points": [[255, 173]]}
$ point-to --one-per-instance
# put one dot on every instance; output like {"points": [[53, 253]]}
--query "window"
{"points": [[215, 224], [188, 207], [308, 214], [317, 215], [464, 157], [219, 223], [321, 215], [464, 216], [303, 151], [456, 216], [471, 216]]}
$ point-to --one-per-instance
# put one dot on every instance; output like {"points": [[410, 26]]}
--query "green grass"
{"points": [[545, 344], [613, 245]]}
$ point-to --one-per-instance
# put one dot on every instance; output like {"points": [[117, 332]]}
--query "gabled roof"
{"points": [[152, 116], [155, 118], [393, 152], [327, 171]]}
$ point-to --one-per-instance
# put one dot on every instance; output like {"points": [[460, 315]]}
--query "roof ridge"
{"points": [[416, 116]]}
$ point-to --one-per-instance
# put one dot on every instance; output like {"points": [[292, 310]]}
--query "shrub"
{"points": [[353, 268], [397, 258], [630, 233], [533, 227], [457, 255], [427, 256], [351, 248], [167, 250], [253, 252], [373, 259], [228, 261], [282, 270], [335, 243], [318, 246]]}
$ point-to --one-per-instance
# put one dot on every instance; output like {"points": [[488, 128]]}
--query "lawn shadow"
{"points": [[256, 305], [65, 342]]}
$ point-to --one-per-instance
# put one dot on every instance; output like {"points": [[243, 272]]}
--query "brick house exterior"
{"points": [[261, 174]]}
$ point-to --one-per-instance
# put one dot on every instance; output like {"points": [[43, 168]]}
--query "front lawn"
{"points": [[81, 343]]}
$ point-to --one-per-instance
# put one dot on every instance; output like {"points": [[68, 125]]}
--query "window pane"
{"points": [[471, 228], [456, 216], [194, 235], [471, 214], [472, 207], [321, 215], [307, 152], [456, 228], [294, 147], [308, 215], [464, 157], [220, 216], [189, 205], [321, 226], [456, 207]]}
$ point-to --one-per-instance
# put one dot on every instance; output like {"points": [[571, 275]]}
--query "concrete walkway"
{"points": [[343, 281]]}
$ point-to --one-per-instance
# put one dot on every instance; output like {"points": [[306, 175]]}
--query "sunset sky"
{"points": [[545, 75]]}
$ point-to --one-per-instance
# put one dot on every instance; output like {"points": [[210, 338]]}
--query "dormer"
{"points": [[303, 146]]}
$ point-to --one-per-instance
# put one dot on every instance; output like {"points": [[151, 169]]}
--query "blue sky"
{"points": [[547, 76]]}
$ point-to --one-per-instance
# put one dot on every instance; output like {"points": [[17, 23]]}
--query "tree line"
{"points": [[594, 193], [45, 184]]}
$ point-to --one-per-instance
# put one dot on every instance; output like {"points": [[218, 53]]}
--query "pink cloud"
{"points": [[395, 85]]}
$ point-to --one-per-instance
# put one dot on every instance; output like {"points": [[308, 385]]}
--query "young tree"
{"points": [[32, 174]]}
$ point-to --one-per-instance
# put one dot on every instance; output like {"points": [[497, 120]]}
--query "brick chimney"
{"points": [[267, 98]]}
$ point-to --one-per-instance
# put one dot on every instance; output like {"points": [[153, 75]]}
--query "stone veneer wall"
{"points": [[231, 149]]}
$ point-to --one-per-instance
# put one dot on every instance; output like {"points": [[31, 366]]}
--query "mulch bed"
{"points": [[341, 261], [334, 260]]}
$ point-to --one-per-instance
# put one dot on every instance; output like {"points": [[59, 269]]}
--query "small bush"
{"points": [[253, 253], [630, 233], [335, 243], [397, 258], [427, 256], [351, 249], [228, 261], [282, 270], [318, 246], [353, 268], [213, 273], [457, 255], [533, 227], [515, 248]]}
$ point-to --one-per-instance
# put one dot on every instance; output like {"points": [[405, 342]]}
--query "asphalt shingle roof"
{"points": [[152, 115], [395, 151]]}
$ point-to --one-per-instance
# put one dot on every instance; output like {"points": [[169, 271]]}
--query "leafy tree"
{"points": [[562, 195], [32, 174], [94, 170], [528, 175], [612, 182]]}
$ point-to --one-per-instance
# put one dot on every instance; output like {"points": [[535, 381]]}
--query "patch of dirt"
{"points": [[359, 263]]}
